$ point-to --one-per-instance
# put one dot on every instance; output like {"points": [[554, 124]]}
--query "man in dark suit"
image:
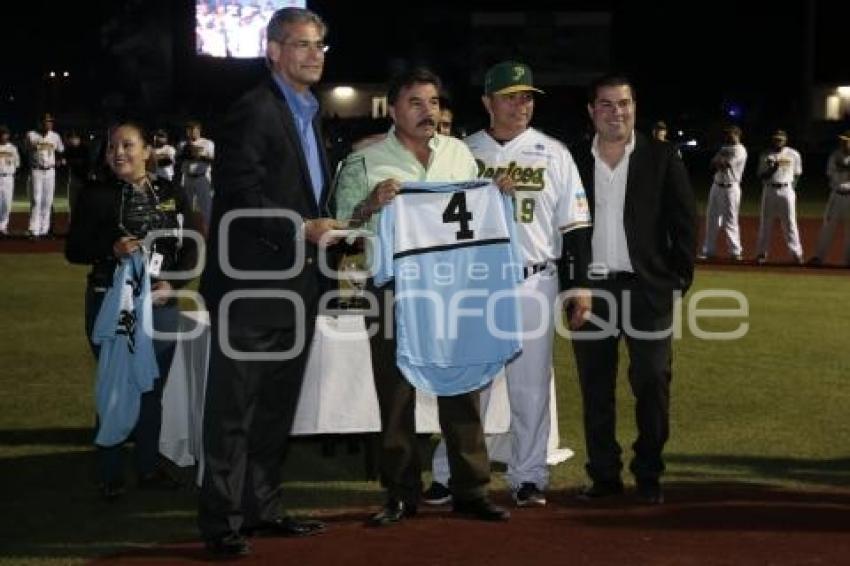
{"points": [[262, 285], [640, 254]]}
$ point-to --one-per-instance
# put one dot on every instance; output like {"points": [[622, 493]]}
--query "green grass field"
{"points": [[770, 408]]}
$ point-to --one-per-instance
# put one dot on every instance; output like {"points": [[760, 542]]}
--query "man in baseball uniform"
{"points": [[549, 202], [165, 155], [724, 198], [42, 146], [9, 163], [779, 169], [196, 156], [838, 206]]}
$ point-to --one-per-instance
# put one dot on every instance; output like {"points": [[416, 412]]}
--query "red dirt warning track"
{"points": [[699, 525]]}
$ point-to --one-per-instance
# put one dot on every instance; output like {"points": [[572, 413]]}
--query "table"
{"points": [[337, 397]]}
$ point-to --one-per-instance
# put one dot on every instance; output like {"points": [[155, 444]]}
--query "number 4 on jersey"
{"points": [[456, 212]]}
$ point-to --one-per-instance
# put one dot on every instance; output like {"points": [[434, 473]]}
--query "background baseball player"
{"points": [[549, 201], [10, 160], [779, 169], [838, 206], [165, 155], [724, 198], [196, 155], [42, 147]]}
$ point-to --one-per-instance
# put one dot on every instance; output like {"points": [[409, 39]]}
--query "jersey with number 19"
{"points": [[452, 256], [550, 199]]}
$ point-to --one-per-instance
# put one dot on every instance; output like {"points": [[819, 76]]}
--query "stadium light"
{"points": [[52, 74], [844, 91], [66, 74], [343, 92]]}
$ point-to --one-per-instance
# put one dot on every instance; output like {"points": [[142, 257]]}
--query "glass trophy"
{"points": [[351, 174]]}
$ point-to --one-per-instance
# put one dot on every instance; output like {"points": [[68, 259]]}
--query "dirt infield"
{"points": [[778, 255], [705, 524]]}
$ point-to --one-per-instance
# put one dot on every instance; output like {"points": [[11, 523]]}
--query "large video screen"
{"points": [[235, 28]]}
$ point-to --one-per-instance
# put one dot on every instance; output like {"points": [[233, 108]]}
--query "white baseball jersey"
{"points": [[455, 268], [789, 161], [165, 152], [550, 199], [735, 158], [10, 160], [43, 148], [197, 167]]}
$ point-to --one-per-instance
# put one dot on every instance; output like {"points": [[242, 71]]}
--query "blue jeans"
{"points": [[146, 432]]}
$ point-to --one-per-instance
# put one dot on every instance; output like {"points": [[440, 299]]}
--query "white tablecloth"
{"points": [[338, 394]]}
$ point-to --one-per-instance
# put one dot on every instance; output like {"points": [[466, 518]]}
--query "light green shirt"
{"points": [[450, 160]]}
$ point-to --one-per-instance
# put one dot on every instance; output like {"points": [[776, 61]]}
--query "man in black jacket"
{"points": [[641, 253], [262, 285]]}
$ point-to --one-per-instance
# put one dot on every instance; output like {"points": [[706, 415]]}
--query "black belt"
{"points": [[530, 270], [725, 185], [842, 193], [43, 168], [778, 185], [614, 276], [6, 174]]}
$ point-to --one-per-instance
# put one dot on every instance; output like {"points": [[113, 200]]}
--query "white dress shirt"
{"points": [[610, 248]]}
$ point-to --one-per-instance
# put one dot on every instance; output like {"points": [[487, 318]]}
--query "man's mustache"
{"points": [[427, 122]]}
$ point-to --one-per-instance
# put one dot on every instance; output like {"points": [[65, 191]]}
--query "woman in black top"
{"points": [[110, 221]]}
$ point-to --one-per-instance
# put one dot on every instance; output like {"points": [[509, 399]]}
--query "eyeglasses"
{"points": [[304, 45]]}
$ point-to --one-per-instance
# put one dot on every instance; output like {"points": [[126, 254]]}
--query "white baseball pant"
{"points": [[722, 213], [529, 382], [837, 212], [7, 188], [779, 202], [43, 186]]}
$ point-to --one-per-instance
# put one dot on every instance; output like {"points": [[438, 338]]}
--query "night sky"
{"points": [[690, 60]]}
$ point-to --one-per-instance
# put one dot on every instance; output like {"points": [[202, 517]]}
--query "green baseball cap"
{"points": [[508, 77]]}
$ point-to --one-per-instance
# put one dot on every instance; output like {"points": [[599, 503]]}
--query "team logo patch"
{"points": [[518, 72], [581, 202]]}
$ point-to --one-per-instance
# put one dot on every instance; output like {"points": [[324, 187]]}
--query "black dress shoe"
{"points": [[481, 509], [286, 527], [112, 490], [158, 480], [649, 492], [393, 511], [231, 545], [600, 490]]}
